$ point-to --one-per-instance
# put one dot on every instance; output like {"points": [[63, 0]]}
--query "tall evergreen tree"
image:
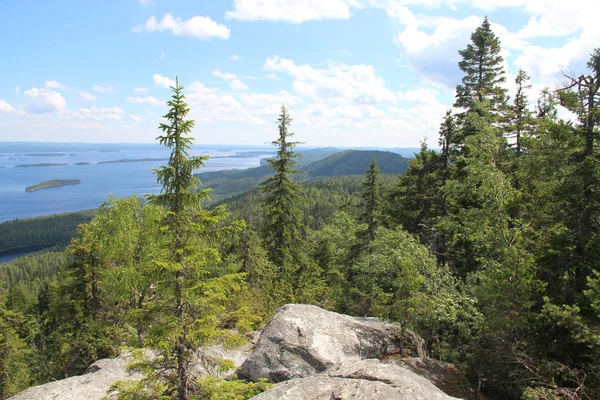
{"points": [[482, 64], [371, 202], [520, 116], [283, 230], [190, 295]]}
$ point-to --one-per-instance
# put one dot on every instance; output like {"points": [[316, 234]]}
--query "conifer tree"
{"points": [[282, 234], [482, 64], [371, 201], [521, 117], [188, 300]]}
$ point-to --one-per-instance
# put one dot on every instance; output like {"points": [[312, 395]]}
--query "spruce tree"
{"points": [[482, 64], [371, 202], [190, 295], [282, 234]]}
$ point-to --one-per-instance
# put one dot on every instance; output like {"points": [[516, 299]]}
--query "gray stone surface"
{"points": [[90, 386], [304, 340], [363, 379]]}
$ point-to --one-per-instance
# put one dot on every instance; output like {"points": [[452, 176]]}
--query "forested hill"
{"points": [[355, 162], [350, 162]]}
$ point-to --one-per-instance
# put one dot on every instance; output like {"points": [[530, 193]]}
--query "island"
{"points": [[52, 183], [38, 165]]}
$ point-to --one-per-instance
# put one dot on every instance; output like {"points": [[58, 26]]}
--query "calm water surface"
{"points": [[97, 180]]}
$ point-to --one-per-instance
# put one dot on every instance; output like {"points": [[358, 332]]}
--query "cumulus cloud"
{"points": [[341, 83], [144, 100], [141, 90], [45, 101], [294, 11], [147, 2], [234, 57], [103, 89], [201, 28], [18, 90], [163, 81]]}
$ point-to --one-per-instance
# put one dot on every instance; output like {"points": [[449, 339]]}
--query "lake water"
{"points": [[98, 180]]}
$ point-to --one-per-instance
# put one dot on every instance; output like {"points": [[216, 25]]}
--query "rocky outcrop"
{"points": [[316, 354], [92, 385], [313, 353], [304, 340], [364, 380]]}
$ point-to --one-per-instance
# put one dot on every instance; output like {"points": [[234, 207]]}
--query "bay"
{"points": [[100, 176]]}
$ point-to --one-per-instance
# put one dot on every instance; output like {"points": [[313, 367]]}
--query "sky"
{"points": [[378, 73]]}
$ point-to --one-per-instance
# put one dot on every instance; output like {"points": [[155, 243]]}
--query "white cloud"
{"points": [[163, 81], [273, 76], [295, 11], [147, 2], [267, 99], [141, 90], [420, 96], [234, 57], [6, 108], [95, 114], [56, 85], [45, 101], [234, 82], [224, 75], [201, 28], [103, 89], [136, 118], [53, 84], [86, 96], [341, 83], [144, 100], [18, 90]]}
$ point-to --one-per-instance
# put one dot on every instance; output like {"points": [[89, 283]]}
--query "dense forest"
{"points": [[487, 248]]}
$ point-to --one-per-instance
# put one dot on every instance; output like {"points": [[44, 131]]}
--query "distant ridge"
{"points": [[336, 163]]}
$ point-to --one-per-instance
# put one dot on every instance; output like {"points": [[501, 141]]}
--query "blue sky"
{"points": [[352, 72]]}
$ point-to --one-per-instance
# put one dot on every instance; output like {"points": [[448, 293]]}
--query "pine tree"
{"points": [[482, 64], [282, 234]]}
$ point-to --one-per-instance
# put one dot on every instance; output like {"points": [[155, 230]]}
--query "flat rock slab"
{"points": [[364, 380], [304, 340], [90, 386]]}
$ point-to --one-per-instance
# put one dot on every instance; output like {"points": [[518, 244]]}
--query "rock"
{"points": [[92, 385], [363, 379], [304, 340]]}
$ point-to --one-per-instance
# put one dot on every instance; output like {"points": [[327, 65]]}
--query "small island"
{"points": [[52, 183]]}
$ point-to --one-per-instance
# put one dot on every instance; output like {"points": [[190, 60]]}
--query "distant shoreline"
{"points": [[38, 165], [52, 183]]}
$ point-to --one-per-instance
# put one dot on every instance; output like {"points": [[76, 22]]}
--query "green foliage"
{"points": [[191, 298], [370, 205], [211, 388], [14, 354], [482, 64], [56, 229], [299, 280]]}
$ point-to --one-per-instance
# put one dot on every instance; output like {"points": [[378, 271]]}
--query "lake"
{"points": [[87, 162]]}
